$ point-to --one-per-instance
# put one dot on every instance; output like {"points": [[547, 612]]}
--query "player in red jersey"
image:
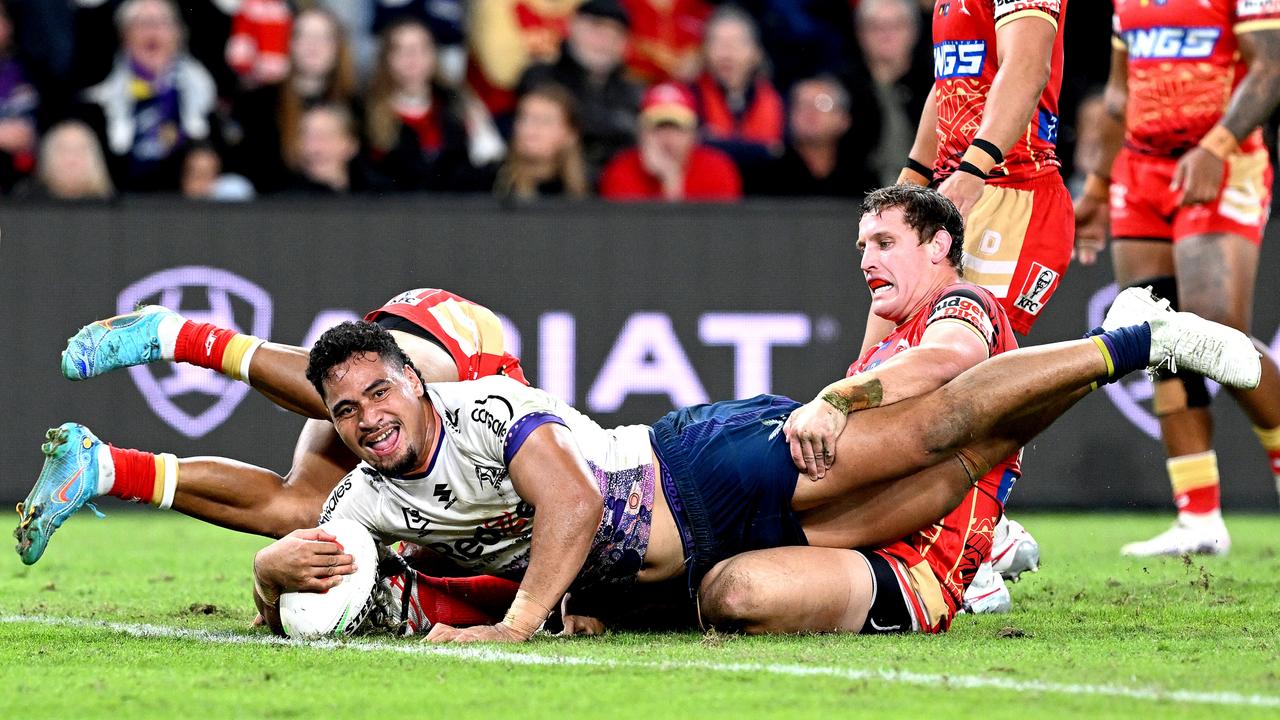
{"points": [[986, 140], [447, 337], [1189, 195], [911, 243]]}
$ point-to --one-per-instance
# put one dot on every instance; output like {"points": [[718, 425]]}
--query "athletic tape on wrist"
{"points": [[1219, 142], [968, 167], [170, 463], [526, 614], [911, 177], [979, 159], [990, 149]]}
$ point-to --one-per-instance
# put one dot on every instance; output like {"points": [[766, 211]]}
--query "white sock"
{"points": [[106, 470], [167, 334]]}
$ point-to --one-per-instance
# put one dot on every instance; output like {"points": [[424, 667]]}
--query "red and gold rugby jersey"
{"points": [[471, 333], [965, 64], [1184, 63], [955, 545]]}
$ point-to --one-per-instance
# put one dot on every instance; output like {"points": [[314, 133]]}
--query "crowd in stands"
{"points": [[523, 99]]}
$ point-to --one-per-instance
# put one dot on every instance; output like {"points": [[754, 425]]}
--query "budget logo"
{"points": [[194, 401]]}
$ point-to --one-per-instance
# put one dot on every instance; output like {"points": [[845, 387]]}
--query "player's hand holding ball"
{"points": [[309, 560]]}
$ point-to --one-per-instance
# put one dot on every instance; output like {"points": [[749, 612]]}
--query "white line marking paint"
{"points": [[491, 655]]}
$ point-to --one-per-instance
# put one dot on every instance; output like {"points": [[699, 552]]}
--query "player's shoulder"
{"points": [[353, 495], [971, 304]]}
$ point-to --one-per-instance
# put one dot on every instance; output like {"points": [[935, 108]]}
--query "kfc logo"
{"points": [[192, 400], [1037, 289]]}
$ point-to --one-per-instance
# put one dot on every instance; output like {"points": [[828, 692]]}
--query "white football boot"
{"points": [[987, 593], [1190, 535], [1013, 550], [1188, 341]]}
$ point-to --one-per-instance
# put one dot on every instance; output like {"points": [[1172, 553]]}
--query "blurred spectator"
{"points": [[447, 21], [803, 38], [268, 118], [71, 166], [328, 153], [1090, 120], [822, 156], [887, 32], [507, 36], [668, 163], [156, 99], [666, 38], [590, 67], [18, 103], [741, 112], [423, 136], [203, 179], [43, 37], [546, 155], [258, 49], [356, 18]]}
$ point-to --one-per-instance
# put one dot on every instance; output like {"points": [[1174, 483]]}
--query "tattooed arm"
{"points": [[1199, 172], [947, 348]]}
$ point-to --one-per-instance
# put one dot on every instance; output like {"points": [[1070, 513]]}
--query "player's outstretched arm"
{"points": [[1093, 209], [947, 348], [1024, 47], [1199, 172], [550, 474]]}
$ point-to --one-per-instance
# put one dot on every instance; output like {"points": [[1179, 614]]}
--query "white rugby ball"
{"points": [[340, 611]]}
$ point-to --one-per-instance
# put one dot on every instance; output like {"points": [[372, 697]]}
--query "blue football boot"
{"points": [[120, 341], [68, 482]]}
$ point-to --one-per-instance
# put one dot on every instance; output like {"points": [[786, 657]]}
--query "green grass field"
{"points": [[146, 615]]}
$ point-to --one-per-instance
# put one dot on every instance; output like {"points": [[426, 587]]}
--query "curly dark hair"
{"points": [[344, 340], [925, 210]]}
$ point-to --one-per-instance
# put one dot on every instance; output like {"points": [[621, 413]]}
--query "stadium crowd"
{"points": [[624, 99]]}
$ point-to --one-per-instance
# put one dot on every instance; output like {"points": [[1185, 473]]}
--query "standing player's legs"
{"points": [[1210, 270]]}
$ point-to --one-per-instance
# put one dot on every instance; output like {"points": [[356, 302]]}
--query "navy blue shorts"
{"points": [[732, 476]]}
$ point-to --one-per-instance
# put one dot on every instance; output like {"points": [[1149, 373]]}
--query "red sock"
{"points": [[493, 594], [202, 344], [441, 606], [136, 475]]}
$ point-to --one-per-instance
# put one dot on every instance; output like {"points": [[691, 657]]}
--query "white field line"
{"points": [[491, 655]]}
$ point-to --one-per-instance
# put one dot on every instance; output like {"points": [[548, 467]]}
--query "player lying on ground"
{"points": [[911, 239], [507, 480]]}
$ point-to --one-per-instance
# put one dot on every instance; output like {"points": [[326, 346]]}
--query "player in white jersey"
{"points": [[505, 479]]}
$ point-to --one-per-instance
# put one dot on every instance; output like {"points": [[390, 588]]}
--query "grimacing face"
{"points": [[897, 266], [379, 413]]}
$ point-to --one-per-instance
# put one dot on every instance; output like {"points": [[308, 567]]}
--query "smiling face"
{"points": [[900, 270], [379, 412]]}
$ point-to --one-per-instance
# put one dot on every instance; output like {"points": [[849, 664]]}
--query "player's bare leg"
{"points": [[788, 590]]}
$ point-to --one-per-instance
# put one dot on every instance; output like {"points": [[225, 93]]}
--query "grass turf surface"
{"points": [[1090, 618]]}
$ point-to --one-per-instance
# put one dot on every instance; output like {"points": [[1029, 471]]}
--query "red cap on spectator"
{"points": [[669, 103]]}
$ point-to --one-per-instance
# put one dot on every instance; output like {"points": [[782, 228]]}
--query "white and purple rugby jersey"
{"points": [[465, 507]]}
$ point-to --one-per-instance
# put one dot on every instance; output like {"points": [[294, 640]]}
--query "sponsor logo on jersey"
{"points": [[491, 476], [959, 58], [1171, 43], [966, 309], [444, 494], [411, 297], [1052, 8], [1250, 8], [451, 418], [1040, 282], [495, 413], [416, 522], [334, 498], [1047, 129]]}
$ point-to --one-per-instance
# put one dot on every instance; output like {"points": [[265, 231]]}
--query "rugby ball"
{"points": [[340, 611]]}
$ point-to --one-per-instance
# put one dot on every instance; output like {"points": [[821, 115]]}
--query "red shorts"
{"points": [[1018, 243], [471, 333], [1144, 208]]}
